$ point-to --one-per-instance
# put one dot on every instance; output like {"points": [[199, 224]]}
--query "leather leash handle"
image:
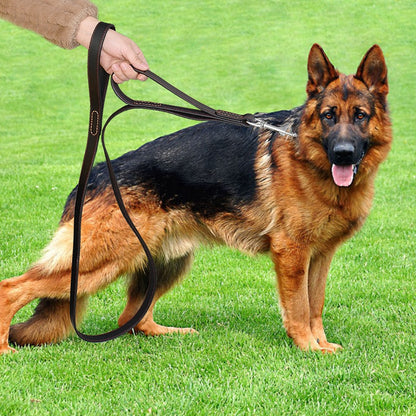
{"points": [[98, 82], [202, 113]]}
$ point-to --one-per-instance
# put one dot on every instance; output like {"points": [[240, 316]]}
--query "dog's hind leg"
{"points": [[50, 322], [108, 250], [168, 273]]}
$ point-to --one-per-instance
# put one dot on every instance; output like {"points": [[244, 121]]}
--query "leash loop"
{"points": [[98, 82], [201, 113]]}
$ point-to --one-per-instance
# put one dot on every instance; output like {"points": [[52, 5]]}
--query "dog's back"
{"points": [[209, 167]]}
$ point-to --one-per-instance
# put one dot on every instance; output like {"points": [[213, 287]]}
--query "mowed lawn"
{"points": [[241, 56]]}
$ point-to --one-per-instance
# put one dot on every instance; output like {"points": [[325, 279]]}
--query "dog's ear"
{"points": [[320, 71], [373, 71]]}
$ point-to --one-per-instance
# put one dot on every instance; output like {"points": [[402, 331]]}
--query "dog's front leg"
{"points": [[291, 262], [318, 272]]}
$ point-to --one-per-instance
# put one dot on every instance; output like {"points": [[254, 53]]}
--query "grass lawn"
{"points": [[241, 56]]}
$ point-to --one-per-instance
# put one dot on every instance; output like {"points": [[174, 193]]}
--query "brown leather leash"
{"points": [[98, 82], [202, 113]]}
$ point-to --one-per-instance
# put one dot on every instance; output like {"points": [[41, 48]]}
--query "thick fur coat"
{"points": [[296, 198]]}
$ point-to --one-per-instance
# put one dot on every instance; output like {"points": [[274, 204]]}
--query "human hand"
{"points": [[118, 52]]}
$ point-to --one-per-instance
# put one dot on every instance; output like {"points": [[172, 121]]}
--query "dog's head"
{"points": [[348, 113]]}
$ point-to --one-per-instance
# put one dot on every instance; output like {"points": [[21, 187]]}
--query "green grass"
{"points": [[240, 56]]}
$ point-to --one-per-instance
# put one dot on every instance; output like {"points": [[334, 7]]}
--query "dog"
{"points": [[296, 197]]}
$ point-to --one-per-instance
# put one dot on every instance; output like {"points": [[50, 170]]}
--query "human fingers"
{"points": [[123, 71], [119, 75], [136, 58]]}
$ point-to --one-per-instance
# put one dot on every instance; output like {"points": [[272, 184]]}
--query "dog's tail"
{"points": [[49, 324]]}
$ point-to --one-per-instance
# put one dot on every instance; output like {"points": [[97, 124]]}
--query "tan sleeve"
{"points": [[56, 20]]}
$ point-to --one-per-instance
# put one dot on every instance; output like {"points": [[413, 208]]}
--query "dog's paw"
{"points": [[154, 329], [329, 347], [317, 345], [6, 349]]}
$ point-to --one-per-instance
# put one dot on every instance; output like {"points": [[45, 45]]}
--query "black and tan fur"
{"points": [[297, 198]]}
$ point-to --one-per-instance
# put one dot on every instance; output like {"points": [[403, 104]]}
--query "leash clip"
{"points": [[263, 125]]}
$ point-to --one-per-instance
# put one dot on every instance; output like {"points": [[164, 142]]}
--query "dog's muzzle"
{"points": [[345, 156]]}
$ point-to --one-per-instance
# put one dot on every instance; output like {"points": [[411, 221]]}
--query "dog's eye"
{"points": [[329, 116], [360, 115]]}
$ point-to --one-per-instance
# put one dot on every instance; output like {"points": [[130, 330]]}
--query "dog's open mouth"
{"points": [[343, 175]]}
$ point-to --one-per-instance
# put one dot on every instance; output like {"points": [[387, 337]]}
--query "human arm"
{"points": [[69, 23], [56, 20]]}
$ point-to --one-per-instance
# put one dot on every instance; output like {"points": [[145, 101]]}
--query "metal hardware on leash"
{"points": [[202, 113], [263, 125]]}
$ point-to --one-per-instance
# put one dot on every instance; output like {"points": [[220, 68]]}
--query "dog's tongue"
{"points": [[343, 175]]}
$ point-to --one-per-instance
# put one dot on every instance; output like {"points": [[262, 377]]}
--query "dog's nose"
{"points": [[344, 152]]}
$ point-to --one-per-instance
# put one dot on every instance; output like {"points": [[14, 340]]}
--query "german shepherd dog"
{"points": [[295, 197]]}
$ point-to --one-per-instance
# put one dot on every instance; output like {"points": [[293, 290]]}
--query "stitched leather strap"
{"points": [[202, 113], [98, 81]]}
